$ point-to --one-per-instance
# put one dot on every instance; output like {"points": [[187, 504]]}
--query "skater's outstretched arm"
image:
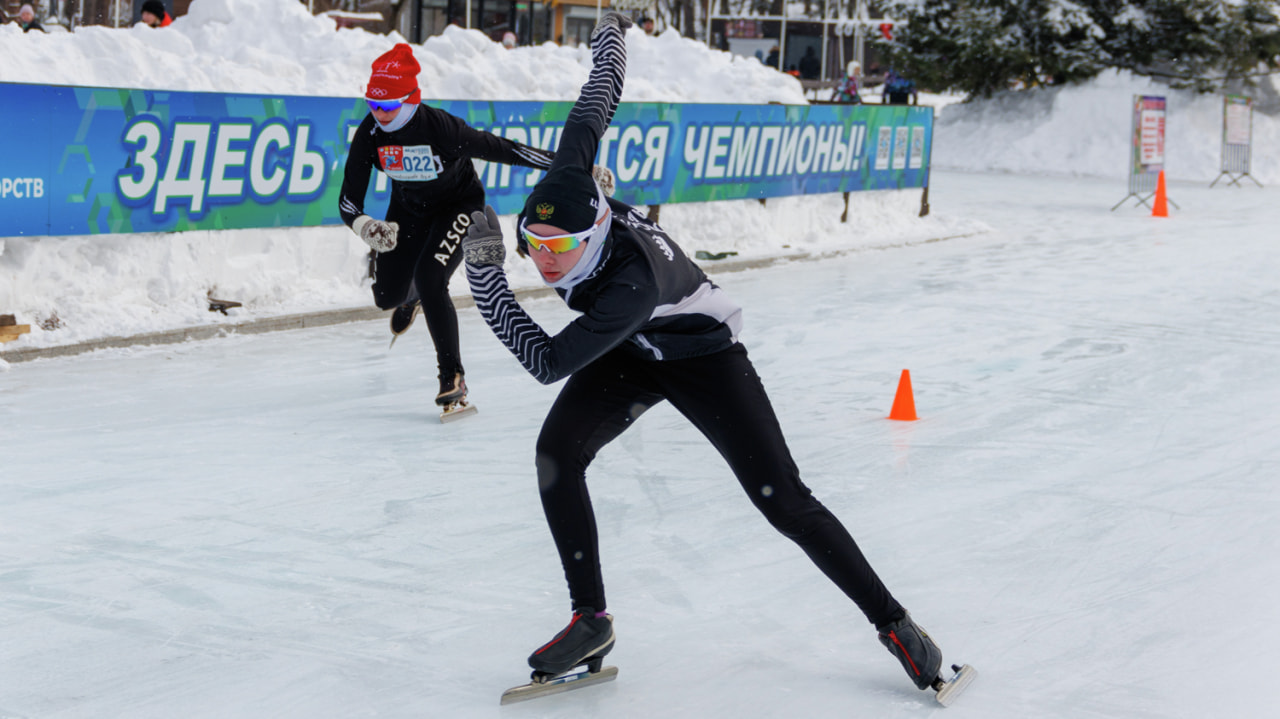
{"points": [[598, 100], [625, 305], [481, 144], [621, 309]]}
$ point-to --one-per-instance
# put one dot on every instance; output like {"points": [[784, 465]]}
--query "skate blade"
{"points": [[956, 685], [417, 310], [563, 683], [456, 412]]}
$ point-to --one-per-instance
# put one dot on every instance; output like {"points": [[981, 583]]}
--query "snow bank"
{"points": [[1084, 130], [78, 289]]}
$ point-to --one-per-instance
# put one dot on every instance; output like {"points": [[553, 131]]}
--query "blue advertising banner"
{"points": [[97, 160]]}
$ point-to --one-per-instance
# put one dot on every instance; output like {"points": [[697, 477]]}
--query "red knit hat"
{"points": [[395, 74]]}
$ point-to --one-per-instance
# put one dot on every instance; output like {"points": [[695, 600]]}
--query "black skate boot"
{"points": [[912, 646], [585, 641], [402, 317], [453, 389]]}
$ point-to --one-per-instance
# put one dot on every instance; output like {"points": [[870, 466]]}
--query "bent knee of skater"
{"points": [[558, 465], [791, 521], [549, 470]]}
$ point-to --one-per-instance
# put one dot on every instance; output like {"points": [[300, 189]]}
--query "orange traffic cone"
{"points": [[904, 405], [1161, 206]]}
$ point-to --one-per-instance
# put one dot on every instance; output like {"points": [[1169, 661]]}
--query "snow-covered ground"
{"points": [[88, 288], [276, 526]]}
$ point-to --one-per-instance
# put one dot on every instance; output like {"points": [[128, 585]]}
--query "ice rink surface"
{"points": [[277, 526]]}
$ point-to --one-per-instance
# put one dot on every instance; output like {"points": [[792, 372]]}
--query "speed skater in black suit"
{"points": [[427, 153], [651, 328]]}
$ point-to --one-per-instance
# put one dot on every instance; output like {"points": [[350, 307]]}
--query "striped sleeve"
{"points": [[598, 100], [513, 326], [534, 157]]}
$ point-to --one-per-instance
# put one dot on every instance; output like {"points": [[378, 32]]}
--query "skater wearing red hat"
{"points": [[427, 153]]}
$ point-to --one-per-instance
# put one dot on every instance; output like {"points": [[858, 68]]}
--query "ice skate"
{"points": [[402, 319], [587, 638], [452, 398], [583, 643], [922, 659]]}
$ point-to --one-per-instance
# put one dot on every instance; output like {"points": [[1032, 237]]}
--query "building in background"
{"points": [[838, 31], [70, 14], [532, 21]]}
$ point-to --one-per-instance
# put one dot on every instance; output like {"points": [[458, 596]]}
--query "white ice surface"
{"points": [[276, 526]]}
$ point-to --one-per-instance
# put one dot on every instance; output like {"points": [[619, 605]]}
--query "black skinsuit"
{"points": [[434, 190], [653, 328]]}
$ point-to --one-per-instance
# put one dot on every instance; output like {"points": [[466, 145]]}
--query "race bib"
{"points": [[415, 163]]}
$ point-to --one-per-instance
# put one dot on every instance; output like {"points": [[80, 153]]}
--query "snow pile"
{"points": [[1085, 130], [76, 289], [277, 47]]}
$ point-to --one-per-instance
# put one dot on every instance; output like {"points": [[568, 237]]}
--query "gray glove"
{"points": [[379, 235], [612, 19], [604, 179], [483, 243]]}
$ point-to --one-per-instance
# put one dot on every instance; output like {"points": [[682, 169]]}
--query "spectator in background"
{"points": [[646, 23], [810, 65], [847, 91], [772, 59], [154, 14], [508, 39], [27, 19], [898, 90]]}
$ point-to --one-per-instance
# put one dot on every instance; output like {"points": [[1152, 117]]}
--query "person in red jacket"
{"points": [[154, 14]]}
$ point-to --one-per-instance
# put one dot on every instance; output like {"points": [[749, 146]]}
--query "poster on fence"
{"points": [[1237, 140], [1146, 151], [1237, 120], [103, 160], [1149, 139]]}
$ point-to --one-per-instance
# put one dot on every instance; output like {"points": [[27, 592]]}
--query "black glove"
{"points": [[483, 243], [612, 19]]}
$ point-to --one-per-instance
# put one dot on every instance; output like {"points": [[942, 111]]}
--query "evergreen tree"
{"points": [[981, 46]]}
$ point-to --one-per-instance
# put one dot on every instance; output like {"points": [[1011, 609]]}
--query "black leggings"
{"points": [[428, 251], [723, 397]]}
